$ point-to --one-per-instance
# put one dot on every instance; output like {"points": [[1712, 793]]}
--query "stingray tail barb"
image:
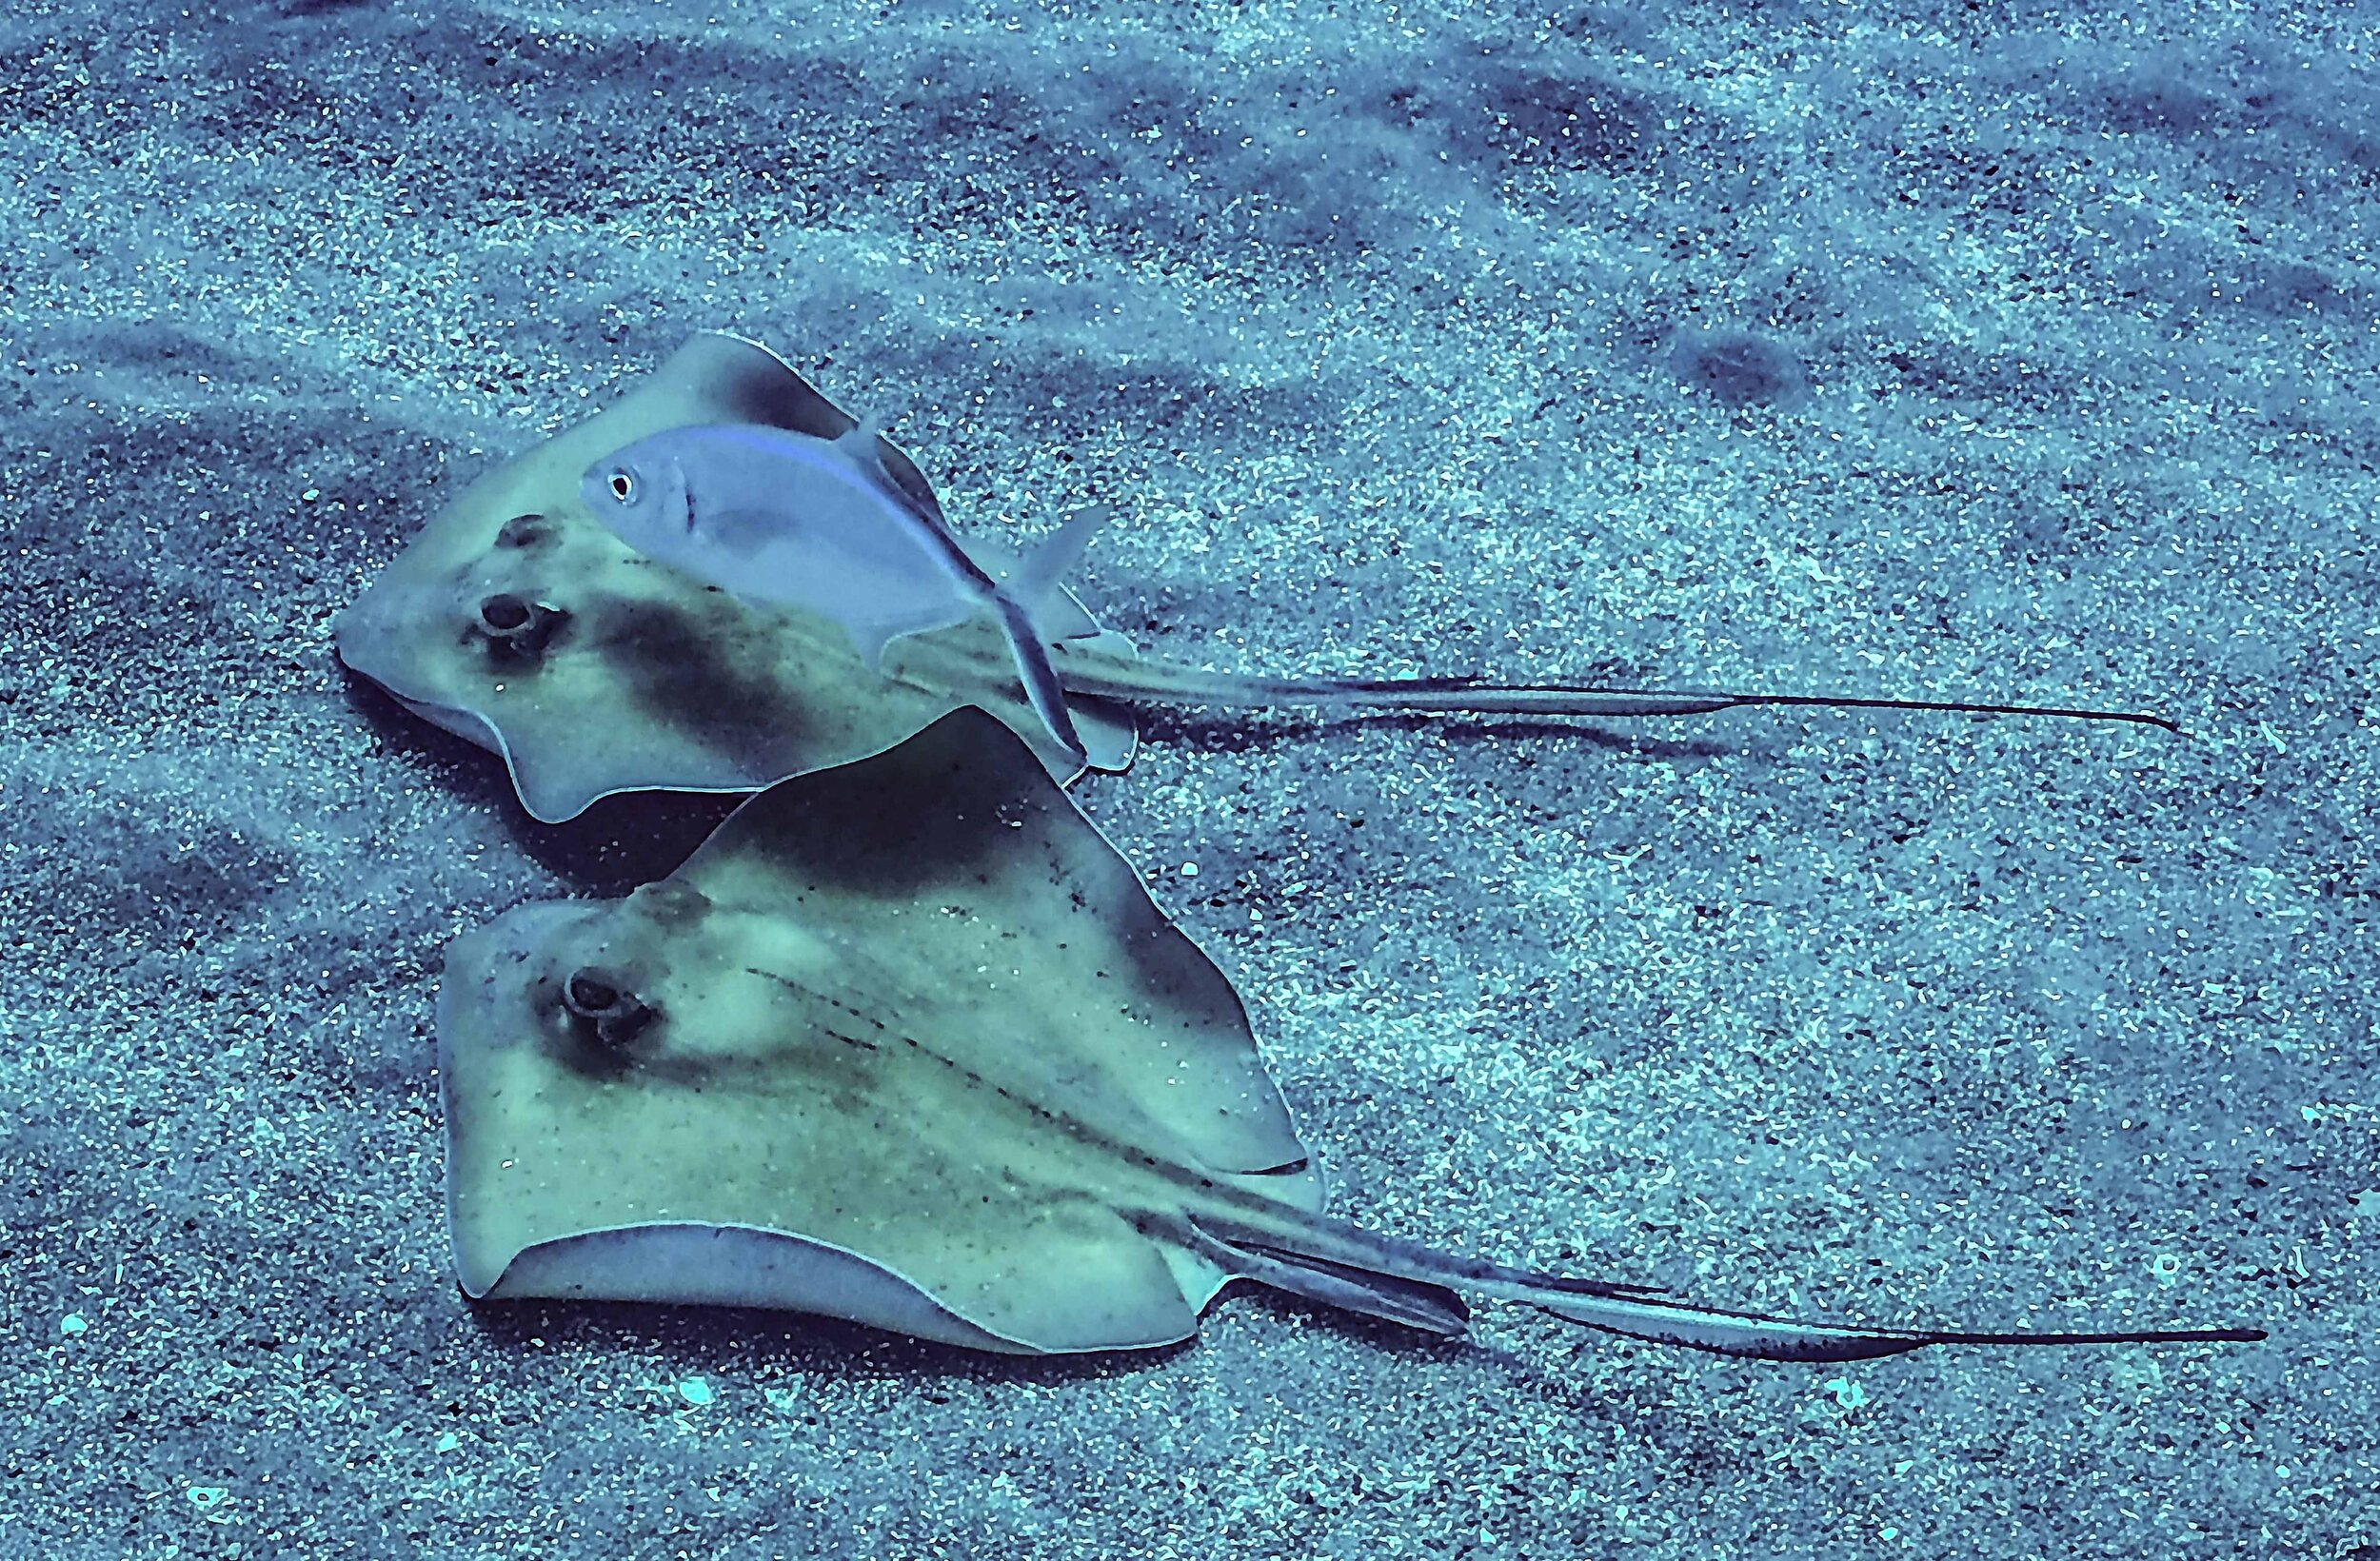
{"points": [[1308, 1250]]}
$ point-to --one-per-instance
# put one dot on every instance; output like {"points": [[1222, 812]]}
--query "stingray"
{"points": [[519, 621], [908, 1043]]}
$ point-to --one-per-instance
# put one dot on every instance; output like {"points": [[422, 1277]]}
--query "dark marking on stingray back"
{"points": [[681, 677], [857, 828]]}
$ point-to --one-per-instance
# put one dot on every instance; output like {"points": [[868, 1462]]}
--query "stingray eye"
{"points": [[598, 1001], [623, 485], [524, 531], [589, 995]]}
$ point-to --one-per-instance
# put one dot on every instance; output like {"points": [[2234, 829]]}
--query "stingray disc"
{"points": [[905, 1042], [517, 622]]}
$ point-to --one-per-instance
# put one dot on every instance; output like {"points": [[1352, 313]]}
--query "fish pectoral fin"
{"points": [[743, 533]]}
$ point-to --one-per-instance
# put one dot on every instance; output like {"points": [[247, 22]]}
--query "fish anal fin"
{"points": [[872, 632]]}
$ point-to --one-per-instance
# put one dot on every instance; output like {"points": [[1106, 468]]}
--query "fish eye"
{"points": [[623, 485]]}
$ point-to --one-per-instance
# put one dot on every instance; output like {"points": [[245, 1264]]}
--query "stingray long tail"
{"points": [[1478, 697], [1420, 1286]]}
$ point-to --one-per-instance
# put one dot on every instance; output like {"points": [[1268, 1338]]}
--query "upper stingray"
{"points": [[519, 621], [908, 1043]]}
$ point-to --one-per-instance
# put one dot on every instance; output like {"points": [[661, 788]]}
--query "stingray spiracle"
{"points": [[595, 995], [517, 628]]}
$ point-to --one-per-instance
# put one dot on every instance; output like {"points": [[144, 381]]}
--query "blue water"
{"points": [[1981, 353]]}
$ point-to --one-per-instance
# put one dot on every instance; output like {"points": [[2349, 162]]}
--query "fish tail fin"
{"points": [[1021, 599], [1315, 1246], [1042, 687]]}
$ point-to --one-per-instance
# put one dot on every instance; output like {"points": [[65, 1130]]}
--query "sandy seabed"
{"points": [[1968, 354]]}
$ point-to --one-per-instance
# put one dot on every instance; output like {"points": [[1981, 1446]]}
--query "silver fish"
{"points": [[787, 518]]}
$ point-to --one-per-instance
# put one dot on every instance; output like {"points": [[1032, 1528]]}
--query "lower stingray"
{"points": [[517, 620], [908, 1043]]}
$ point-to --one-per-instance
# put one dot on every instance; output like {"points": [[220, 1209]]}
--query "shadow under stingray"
{"points": [[614, 847], [697, 1339]]}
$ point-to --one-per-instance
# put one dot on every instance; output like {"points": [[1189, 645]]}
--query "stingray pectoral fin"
{"points": [[1778, 1338], [733, 1265]]}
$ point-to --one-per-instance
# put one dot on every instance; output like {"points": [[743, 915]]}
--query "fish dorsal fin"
{"points": [[865, 441], [730, 379]]}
